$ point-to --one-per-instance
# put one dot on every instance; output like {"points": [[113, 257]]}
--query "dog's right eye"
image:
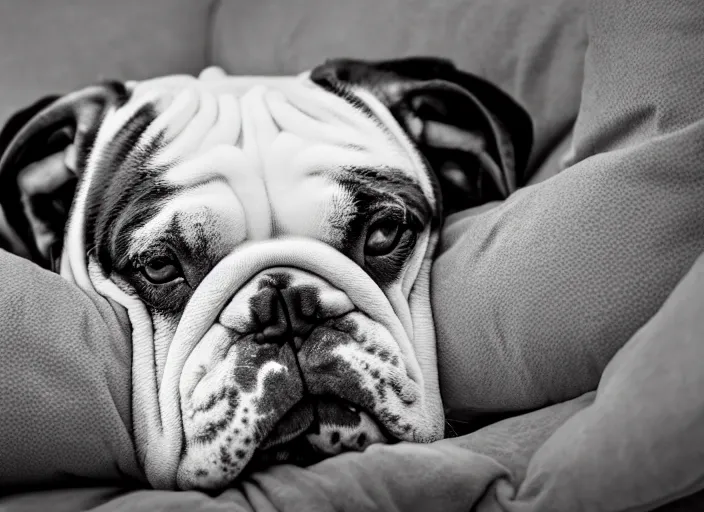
{"points": [[161, 270], [382, 238]]}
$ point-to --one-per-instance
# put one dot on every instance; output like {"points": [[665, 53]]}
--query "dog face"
{"points": [[270, 240]]}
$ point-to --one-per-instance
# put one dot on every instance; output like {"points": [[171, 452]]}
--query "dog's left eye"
{"points": [[382, 238], [161, 270]]}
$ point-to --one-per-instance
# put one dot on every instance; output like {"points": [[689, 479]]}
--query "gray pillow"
{"points": [[533, 298]]}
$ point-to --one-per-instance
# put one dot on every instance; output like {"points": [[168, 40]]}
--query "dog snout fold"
{"points": [[230, 376]]}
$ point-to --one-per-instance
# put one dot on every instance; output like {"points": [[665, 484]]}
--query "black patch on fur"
{"points": [[253, 356], [429, 89], [229, 392], [225, 456], [380, 192], [48, 127], [122, 173], [212, 430]]}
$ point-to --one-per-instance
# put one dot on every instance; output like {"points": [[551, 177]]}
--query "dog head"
{"points": [[270, 240]]}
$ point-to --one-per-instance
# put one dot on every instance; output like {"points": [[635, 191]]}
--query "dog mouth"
{"points": [[312, 416], [317, 428], [273, 403], [214, 390], [287, 368]]}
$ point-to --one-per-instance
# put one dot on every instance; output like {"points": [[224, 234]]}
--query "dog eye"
{"points": [[161, 270], [382, 238]]}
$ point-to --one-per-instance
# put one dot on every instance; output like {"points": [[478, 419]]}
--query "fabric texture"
{"points": [[450, 475], [65, 367], [563, 273], [641, 444]]}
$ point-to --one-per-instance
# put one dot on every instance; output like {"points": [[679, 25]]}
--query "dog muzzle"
{"points": [[302, 214], [287, 351], [269, 358]]}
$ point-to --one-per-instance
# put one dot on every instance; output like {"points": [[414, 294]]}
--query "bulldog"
{"points": [[268, 242]]}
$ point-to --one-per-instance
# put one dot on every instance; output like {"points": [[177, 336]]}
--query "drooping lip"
{"points": [[272, 420], [303, 418], [296, 449], [157, 412]]}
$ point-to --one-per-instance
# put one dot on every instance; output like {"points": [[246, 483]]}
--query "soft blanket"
{"points": [[592, 280]]}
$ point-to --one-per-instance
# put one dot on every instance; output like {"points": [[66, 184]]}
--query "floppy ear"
{"points": [[475, 137], [44, 149]]}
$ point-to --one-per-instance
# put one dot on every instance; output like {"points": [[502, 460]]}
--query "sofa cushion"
{"points": [[533, 298]]}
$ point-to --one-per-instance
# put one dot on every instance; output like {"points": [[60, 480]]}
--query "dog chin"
{"points": [[318, 428], [315, 429], [249, 404]]}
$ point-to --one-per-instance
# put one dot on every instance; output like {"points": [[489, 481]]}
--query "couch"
{"points": [[584, 374]]}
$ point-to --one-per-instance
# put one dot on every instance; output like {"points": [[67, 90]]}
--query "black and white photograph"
{"points": [[351, 255]]}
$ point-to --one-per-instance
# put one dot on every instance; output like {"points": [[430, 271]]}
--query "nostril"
{"points": [[284, 312], [269, 317], [306, 301], [264, 306], [301, 306]]}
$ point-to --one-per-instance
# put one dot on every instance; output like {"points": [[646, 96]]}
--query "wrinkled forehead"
{"points": [[276, 156], [272, 120]]}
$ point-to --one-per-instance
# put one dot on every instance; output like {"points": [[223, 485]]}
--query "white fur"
{"points": [[273, 142]]}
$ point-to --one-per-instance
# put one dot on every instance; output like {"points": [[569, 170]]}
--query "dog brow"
{"points": [[384, 182]]}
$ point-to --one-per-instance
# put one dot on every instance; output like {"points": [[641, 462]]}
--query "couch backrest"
{"points": [[55, 46], [532, 49]]}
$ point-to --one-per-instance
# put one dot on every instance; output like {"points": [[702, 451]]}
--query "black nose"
{"points": [[284, 315]]}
